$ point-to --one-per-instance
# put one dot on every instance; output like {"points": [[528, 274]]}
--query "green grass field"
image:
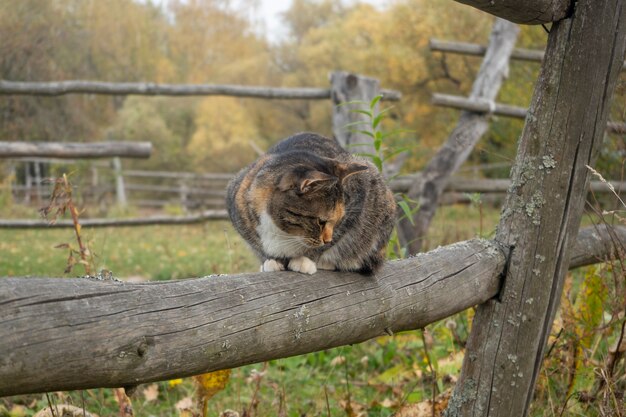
{"points": [[375, 378]]}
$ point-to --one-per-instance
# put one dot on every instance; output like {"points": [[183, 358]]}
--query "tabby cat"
{"points": [[308, 204]]}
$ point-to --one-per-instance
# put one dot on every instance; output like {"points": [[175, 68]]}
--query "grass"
{"points": [[153, 252], [374, 378]]}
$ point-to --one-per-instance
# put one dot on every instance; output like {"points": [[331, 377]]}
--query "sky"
{"points": [[270, 11]]}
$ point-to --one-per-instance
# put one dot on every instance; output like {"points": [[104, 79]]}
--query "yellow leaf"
{"points": [[212, 383], [175, 382]]}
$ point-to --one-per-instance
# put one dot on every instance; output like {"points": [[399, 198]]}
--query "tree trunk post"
{"points": [[540, 218], [347, 87], [429, 186], [120, 190]]}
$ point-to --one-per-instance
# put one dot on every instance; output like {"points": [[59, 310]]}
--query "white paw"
{"points": [[302, 264], [272, 265]]}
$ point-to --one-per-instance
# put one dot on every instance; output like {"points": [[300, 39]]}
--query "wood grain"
{"points": [[64, 334]]}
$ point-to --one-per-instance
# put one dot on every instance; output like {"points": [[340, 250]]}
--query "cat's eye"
{"points": [[321, 222]]}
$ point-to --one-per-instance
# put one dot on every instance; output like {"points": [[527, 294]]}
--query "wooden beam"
{"points": [[474, 49], [352, 93], [488, 186], [75, 150], [153, 331], [100, 333], [598, 243], [498, 109], [94, 223], [429, 186], [151, 89], [562, 136], [478, 105], [530, 12]]}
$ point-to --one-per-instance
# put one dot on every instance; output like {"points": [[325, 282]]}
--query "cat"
{"points": [[308, 204]]}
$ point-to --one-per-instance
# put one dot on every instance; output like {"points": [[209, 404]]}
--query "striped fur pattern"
{"points": [[308, 204]]}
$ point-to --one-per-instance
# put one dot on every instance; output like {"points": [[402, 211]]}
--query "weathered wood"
{"points": [[478, 105], [142, 221], [473, 49], [598, 243], [179, 175], [346, 88], [427, 189], [143, 332], [530, 12], [109, 88], [64, 334], [120, 188], [499, 109], [204, 191], [75, 150], [483, 185], [563, 133]]}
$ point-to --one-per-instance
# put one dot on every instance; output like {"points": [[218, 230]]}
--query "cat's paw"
{"points": [[272, 265], [302, 264]]}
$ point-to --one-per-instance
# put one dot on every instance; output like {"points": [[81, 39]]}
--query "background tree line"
{"points": [[218, 42]]}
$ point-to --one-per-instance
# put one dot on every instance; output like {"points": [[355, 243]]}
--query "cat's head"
{"points": [[307, 199]]}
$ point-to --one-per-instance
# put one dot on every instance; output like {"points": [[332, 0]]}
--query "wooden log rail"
{"points": [[110, 88], [65, 334], [75, 150], [474, 49], [206, 215], [400, 184], [460, 185], [498, 109]]}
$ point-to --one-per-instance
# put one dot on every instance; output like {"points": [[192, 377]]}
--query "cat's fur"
{"points": [[308, 204]]}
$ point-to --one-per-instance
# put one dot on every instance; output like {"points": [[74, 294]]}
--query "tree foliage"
{"points": [[216, 41]]}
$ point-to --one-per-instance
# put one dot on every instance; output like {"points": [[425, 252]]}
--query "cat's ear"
{"points": [[345, 170], [307, 182], [314, 180]]}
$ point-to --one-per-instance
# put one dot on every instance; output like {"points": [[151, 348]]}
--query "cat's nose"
{"points": [[327, 234]]}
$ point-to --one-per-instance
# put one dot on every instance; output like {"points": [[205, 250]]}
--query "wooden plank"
{"points": [[75, 150]]}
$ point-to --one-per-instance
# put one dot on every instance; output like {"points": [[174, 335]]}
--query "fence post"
{"points": [[120, 190], [184, 194], [540, 218], [347, 87]]}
